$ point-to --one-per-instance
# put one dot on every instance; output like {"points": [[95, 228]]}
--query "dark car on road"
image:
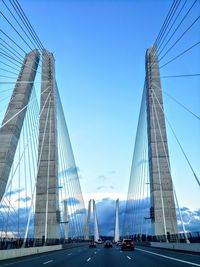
{"points": [[127, 244], [92, 245], [108, 244]]}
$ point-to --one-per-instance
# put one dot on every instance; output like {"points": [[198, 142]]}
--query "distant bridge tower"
{"points": [[87, 230], [66, 221], [14, 117], [116, 234], [47, 215], [162, 212], [96, 227]]}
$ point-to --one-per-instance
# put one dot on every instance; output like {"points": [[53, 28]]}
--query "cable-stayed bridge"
{"points": [[39, 181], [42, 205], [153, 206]]}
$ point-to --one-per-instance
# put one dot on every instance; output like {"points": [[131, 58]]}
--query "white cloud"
{"points": [[106, 214]]}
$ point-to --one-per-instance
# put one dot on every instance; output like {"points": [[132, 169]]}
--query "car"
{"points": [[127, 244], [108, 244], [119, 243], [92, 245]]}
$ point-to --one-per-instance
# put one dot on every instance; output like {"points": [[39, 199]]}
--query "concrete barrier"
{"points": [[15, 253], [192, 247]]}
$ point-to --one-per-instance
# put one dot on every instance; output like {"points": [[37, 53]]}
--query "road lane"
{"points": [[46, 262], [107, 257], [170, 258], [174, 254], [34, 260]]}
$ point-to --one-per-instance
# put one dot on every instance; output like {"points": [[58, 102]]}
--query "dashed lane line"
{"points": [[167, 257], [128, 257], [88, 259], [46, 262], [33, 257]]}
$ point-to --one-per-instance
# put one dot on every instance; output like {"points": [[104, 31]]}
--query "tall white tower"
{"points": [[163, 210], [14, 117], [116, 234], [66, 221], [96, 227], [47, 216], [87, 230]]}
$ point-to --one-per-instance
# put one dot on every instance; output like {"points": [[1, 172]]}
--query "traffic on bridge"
{"points": [[100, 256]]}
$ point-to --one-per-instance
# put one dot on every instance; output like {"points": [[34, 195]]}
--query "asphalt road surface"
{"points": [[107, 257]]}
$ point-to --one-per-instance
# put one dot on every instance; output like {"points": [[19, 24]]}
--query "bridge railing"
{"points": [[14, 243], [192, 237]]}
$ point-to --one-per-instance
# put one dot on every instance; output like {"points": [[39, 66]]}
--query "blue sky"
{"points": [[100, 48]]}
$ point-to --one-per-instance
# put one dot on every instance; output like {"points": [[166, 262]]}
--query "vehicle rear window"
{"points": [[127, 241]]}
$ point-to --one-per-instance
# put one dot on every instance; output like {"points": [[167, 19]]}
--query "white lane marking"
{"points": [[128, 257], [46, 262], [69, 254], [167, 257], [95, 252], [58, 252], [88, 259], [120, 251]]}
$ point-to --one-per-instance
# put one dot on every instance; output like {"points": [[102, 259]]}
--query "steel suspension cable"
{"points": [[196, 178], [174, 191], [183, 106], [180, 11], [181, 76], [166, 22], [181, 54], [180, 37], [185, 16]]}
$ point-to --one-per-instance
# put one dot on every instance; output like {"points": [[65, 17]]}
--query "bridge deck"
{"points": [[102, 257]]}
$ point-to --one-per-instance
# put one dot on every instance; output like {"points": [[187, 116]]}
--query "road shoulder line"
{"points": [[167, 257]]}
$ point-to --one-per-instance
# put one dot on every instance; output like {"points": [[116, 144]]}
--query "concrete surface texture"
{"points": [[161, 188], [14, 117], [47, 202]]}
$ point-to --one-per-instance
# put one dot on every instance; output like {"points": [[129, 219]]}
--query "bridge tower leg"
{"points": [[87, 230], [96, 227], [163, 212], [47, 216], [14, 117], [66, 221], [116, 234]]}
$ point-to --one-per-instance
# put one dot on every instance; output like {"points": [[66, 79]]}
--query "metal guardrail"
{"points": [[192, 237], [14, 243]]}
